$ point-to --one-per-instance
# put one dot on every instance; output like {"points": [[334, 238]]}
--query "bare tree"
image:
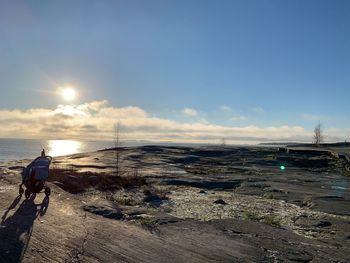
{"points": [[223, 142], [318, 134], [117, 150]]}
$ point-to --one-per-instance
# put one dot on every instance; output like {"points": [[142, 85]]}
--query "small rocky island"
{"points": [[183, 204]]}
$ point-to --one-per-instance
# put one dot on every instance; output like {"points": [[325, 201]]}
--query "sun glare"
{"points": [[68, 94], [63, 147]]}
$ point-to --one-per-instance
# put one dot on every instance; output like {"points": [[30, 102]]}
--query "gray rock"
{"points": [[300, 256], [108, 212], [220, 202], [153, 200], [323, 224]]}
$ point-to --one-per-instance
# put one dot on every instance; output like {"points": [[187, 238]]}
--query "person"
{"points": [[43, 154]]}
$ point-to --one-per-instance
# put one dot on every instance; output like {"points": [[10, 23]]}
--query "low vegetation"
{"points": [[346, 170], [158, 191], [268, 219], [250, 215], [268, 196], [307, 201], [272, 220], [73, 181]]}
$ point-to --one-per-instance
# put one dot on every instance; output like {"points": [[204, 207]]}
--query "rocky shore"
{"points": [[183, 204]]}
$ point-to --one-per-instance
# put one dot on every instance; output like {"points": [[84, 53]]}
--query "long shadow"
{"points": [[209, 185], [16, 230], [44, 206], [12, 206]]}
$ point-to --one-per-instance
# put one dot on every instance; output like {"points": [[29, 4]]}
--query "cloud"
{"points": [[336, 134], [313, 117], [95, 121], [258, 110], [238, 118], [225, 108], [189, 112]]}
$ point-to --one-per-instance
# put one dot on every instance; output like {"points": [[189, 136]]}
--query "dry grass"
{"points": [[69, 179], [161, 192], [307, 201], [57, 172], [269, 219], [125, 200], [132, 179], [268, 196], [250, 215], [272, 220], [346, 170]]}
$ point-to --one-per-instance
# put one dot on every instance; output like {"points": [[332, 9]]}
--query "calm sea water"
{"points": [[15, 149]]}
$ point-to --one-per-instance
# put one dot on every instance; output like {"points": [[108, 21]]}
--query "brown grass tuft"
{"points": [[70, 180]]}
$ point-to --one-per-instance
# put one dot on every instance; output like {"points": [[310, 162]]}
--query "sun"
{"points": [[68, 93]]}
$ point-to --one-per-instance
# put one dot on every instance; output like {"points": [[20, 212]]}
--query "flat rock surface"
{"points": [[265, 214]]}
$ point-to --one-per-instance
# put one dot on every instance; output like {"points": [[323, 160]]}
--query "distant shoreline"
{"points": [[19, 149], [296, 144]]}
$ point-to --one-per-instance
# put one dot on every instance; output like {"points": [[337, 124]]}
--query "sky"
{"points": [[194, 71]]}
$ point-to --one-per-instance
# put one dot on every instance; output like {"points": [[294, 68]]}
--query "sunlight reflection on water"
{"points": [[64, 147]]}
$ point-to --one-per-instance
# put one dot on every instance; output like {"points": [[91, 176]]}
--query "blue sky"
{"points": [[235, 63]]}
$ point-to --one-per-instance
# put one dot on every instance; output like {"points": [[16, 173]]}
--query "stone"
{"points": [[323, 224], [108, 212], [220, 202]]}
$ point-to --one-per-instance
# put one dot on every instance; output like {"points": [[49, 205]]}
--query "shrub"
{"points": [[70, 180], [268, 196], [125, 200], [249, 215], [160, 192], [346, 170], [272, 220], [307, 201], [132, 179]]}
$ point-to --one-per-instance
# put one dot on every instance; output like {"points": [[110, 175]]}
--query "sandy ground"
{"points": [[212, 204]]}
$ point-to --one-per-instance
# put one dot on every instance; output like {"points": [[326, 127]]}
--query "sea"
{"points": [[18, 149]]}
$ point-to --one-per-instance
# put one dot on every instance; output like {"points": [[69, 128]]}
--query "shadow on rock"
{"points": [[12, 206], [16, 230], [44, 206], [209, 185]]}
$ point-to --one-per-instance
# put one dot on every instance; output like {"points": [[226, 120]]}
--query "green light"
{"points": [[282, 167]]}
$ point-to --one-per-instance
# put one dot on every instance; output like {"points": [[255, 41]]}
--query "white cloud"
{"points": [[95, 120], [336, 134], [225, 108], [189, 112], [312, 117], [258, 110], [238, 118]]}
